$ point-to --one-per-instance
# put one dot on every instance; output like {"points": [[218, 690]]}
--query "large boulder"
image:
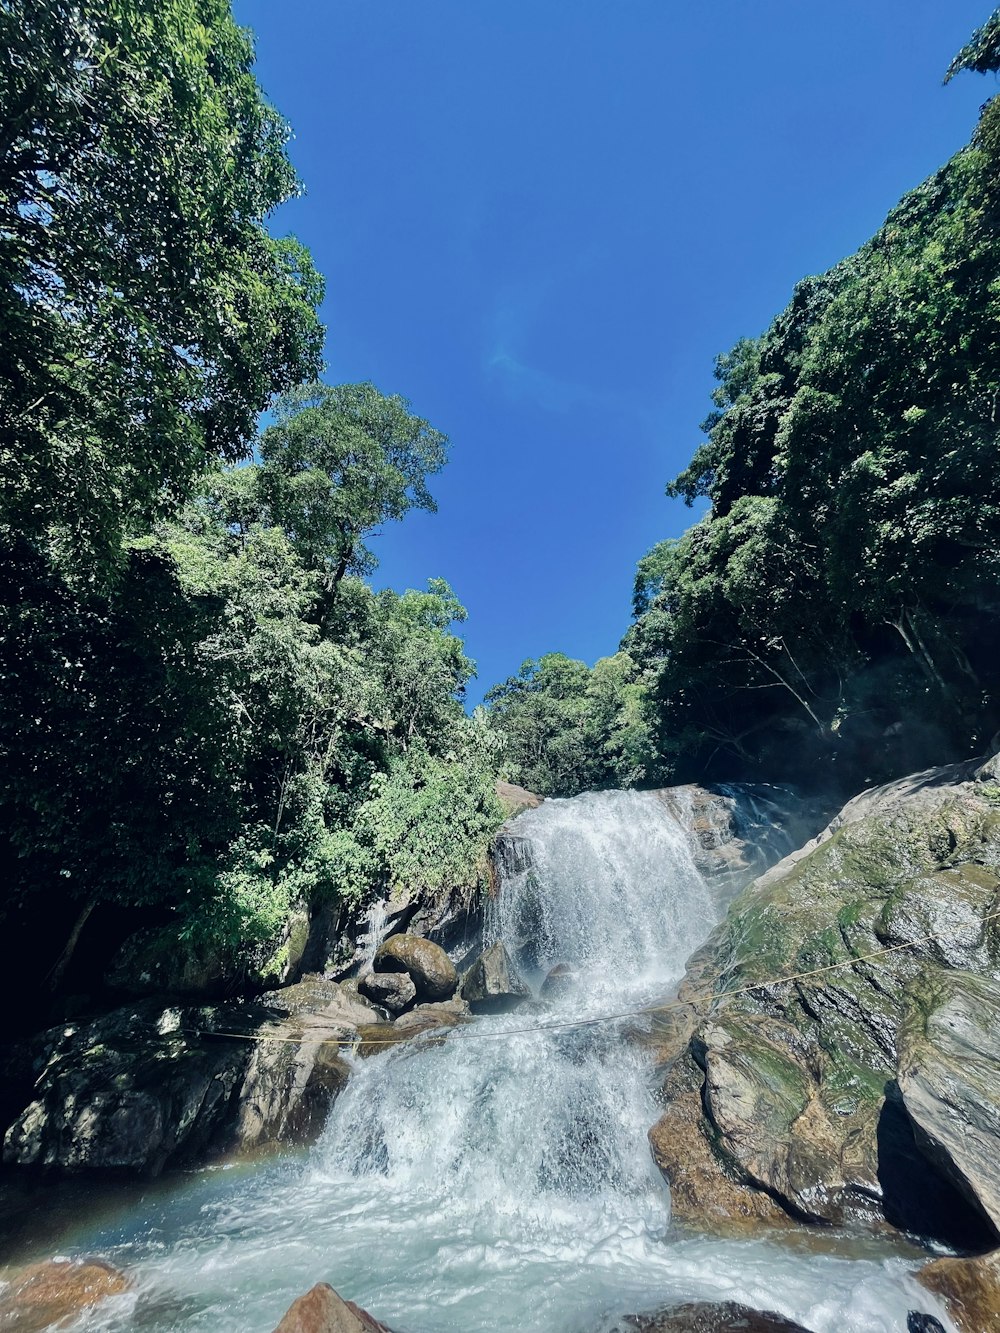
{"points": [[428, 966], [145, 1088], [492, 986], [781, 1064], [321, 1310], [970, 1288], [949, 1078], [55, 1293]]}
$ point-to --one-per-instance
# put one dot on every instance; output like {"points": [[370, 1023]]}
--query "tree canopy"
{"points": [[148, 315]]}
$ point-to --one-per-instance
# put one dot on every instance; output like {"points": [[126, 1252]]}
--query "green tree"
{"points": [[148, 316], [339, 462]]}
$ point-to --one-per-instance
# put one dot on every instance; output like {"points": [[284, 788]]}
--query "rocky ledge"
{"points": [[808, 1081], [147, 1088]]}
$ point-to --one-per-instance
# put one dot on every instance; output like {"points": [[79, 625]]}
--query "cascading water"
{"points": [[499, 1177]]}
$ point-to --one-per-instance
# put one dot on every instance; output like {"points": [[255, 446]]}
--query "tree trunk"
{"points": [[62, 962]]}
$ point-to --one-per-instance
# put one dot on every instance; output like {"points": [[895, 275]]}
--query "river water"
{"points": [[498, 1179]]}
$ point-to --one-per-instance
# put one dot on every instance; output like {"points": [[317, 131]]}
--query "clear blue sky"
{"points": [[540, 220]]}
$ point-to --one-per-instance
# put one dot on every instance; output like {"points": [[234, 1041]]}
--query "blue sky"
{"points": [[540, 221]]}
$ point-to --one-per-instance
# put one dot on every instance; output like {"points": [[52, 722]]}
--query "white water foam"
{"points": [[501, 1179]]}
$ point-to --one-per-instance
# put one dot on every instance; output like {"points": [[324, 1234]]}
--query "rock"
{"points": [[52, 1294], [701, 1195], [160, 962], [376, 1037], [514, 799], [970, 1288], [949, 1077], [708, 1317], [737, 832], [427, 1016], [491, 986], [918, 1322], [429, 967], [792, 1085], [394, 991], [558, 981], [321, 1310], [144, 1087]]}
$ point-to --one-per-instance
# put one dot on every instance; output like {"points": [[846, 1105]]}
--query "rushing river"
{"points": [[498, 1179]]}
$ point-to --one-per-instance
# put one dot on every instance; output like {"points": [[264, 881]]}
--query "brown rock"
{"points": [[321, 1310], [515, 799], [969, 1287], [429, 967], [708, 1317], [701, 1194], [50, 1295]]}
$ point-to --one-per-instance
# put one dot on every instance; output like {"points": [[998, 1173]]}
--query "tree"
{"points": [[338, 463], [148, 316]]}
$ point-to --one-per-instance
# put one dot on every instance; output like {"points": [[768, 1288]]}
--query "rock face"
{"points": [[492, 986], [144, 1088], [738, 831], [426, 963], [54, 1294], [949, 1078], [321, 1310], [707, 1317], [969, 1287], [784, 1092]]}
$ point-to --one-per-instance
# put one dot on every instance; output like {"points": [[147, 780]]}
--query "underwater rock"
{"points": [[708, 1317], [54, 1293]]}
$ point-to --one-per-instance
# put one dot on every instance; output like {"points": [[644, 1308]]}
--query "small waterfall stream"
{"points": [[499, 1178]]}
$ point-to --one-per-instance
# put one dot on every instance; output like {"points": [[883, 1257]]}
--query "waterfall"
{"points": [[546, 1123], [498, 1176]]}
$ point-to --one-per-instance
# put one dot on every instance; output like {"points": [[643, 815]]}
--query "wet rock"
{"points": [[429, 967], [738, 831], [53, 1294], [558, 981], [970, 1288], [791, 1085], [423, 1018], [918, 1322], [394, 991], [321, 1310], [144, 1087], [701, 1194], [708, 1317], [444, 1014], [949, 1076], [491, 986]]}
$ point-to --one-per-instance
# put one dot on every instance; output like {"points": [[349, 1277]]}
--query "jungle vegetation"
{"points": [[208, 714]]}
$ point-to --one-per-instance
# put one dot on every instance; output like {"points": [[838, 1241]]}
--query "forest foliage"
{"points": [[209, 716]]}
